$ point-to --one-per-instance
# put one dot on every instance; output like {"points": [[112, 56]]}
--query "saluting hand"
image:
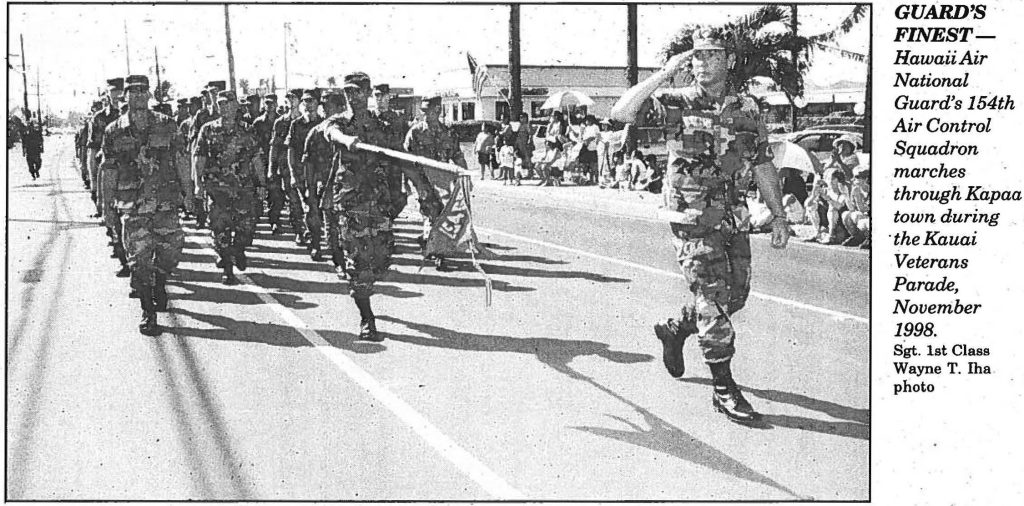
{"points": [[678, 62]]}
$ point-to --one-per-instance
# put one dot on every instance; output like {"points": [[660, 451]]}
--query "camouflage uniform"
{"points": [[263, 130], [279, 182], [710, 169], [97, 125], [362, 202], [317, 161], [202, 117], [298, 130], [230, 178], [146, 192], [437, 143]]}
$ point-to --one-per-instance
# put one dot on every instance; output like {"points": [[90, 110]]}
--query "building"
{"points": [[602, 84]]}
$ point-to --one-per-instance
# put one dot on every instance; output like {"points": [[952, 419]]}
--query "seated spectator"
{"points": [[829, 200], [844, 156], [650, 180], [858, 219]]}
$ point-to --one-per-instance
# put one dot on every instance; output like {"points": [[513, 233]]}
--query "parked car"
{"points": [[466, 131], [818, 141]]}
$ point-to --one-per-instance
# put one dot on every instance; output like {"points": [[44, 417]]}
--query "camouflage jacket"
{"points": [[98, 125], [145, 162], [202, 117], [437, 143], [263, 130], [394, 127], [298, 131], [712, 148], [232, 158], [363, 182], [278, 155]]}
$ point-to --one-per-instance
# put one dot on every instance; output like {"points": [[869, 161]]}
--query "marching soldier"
{"points": [[263, 129], [141, 150], [250, 109], [362, 199], [723, 144], [316, 160], [227, 157], [432, 139], [279, 180], [32, 147], [82, 145], [298, 130], [182, 111], [207, 113], [97, 123]]}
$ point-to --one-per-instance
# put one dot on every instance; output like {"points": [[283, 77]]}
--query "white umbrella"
{"points": [[565, 99], [786, 155]]}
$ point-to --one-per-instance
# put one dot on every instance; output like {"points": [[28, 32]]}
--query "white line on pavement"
{"points": [[653, 270], [463, 460]]}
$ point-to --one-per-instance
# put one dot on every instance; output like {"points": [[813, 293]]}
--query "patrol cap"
{"points": [[195, 101], [428, 102], [97, 104], [334, 95], [383, 88], [357, 80], [704, 38], [136, 81], [271, 97], [116, 83], [311, 93], [252, 98], [163, 108], [182, 101], [295, 92], [226, 96]]}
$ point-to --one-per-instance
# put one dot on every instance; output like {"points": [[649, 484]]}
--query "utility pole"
{"points": [[514, 68], [156, 57], [632, 71], [795, 56], [287, 28], [39, 107], [231, 55], [127, 60], [24, 78]]}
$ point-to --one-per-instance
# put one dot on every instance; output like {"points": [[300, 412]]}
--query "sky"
{"points": [[76, 47]]}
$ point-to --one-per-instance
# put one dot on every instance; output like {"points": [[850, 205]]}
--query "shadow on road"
{"points": [[858, 424], [663, 437], [229, 329]]}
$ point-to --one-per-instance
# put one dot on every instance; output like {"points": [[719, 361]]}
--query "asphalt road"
{"points": [[556, 391]]}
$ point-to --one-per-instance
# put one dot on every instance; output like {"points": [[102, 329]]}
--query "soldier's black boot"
{"points": [[672, 335], [727, 397], [367, 322], [338, 259], [200, 215], [148, 325], [241, 261], [228, 278], [160, 292], [124, 271], [300, 239], [315, 253]]}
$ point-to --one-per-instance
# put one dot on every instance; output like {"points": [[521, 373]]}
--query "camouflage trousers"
{"points": [[279, 191], [319, 213], [232, 219], [367, 242], [716, 265], [152, 243]]}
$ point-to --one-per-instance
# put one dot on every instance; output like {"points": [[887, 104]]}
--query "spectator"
{"points": [[610, 180], [605, 139], [588, 139], [554, 142], [844, 156], [507, 164], [484, 149], [829, 200], [650, 180], [858, 219], [519, 135]]}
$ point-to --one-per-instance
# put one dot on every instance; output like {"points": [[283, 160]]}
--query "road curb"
{"points": [[569, 197]]}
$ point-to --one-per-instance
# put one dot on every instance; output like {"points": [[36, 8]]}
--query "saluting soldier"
{"points": [[141, 150], [432, 139], [227, 156], [279, 184], [298, 130], [316, 160], [722, 143], [362, 199]]}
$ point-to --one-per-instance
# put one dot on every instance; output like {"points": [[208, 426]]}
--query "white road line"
{"points": [[463, 460], [653, 270]]}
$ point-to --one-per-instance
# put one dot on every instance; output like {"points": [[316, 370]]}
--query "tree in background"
{"points": [[243, 85], [164, 91]]}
